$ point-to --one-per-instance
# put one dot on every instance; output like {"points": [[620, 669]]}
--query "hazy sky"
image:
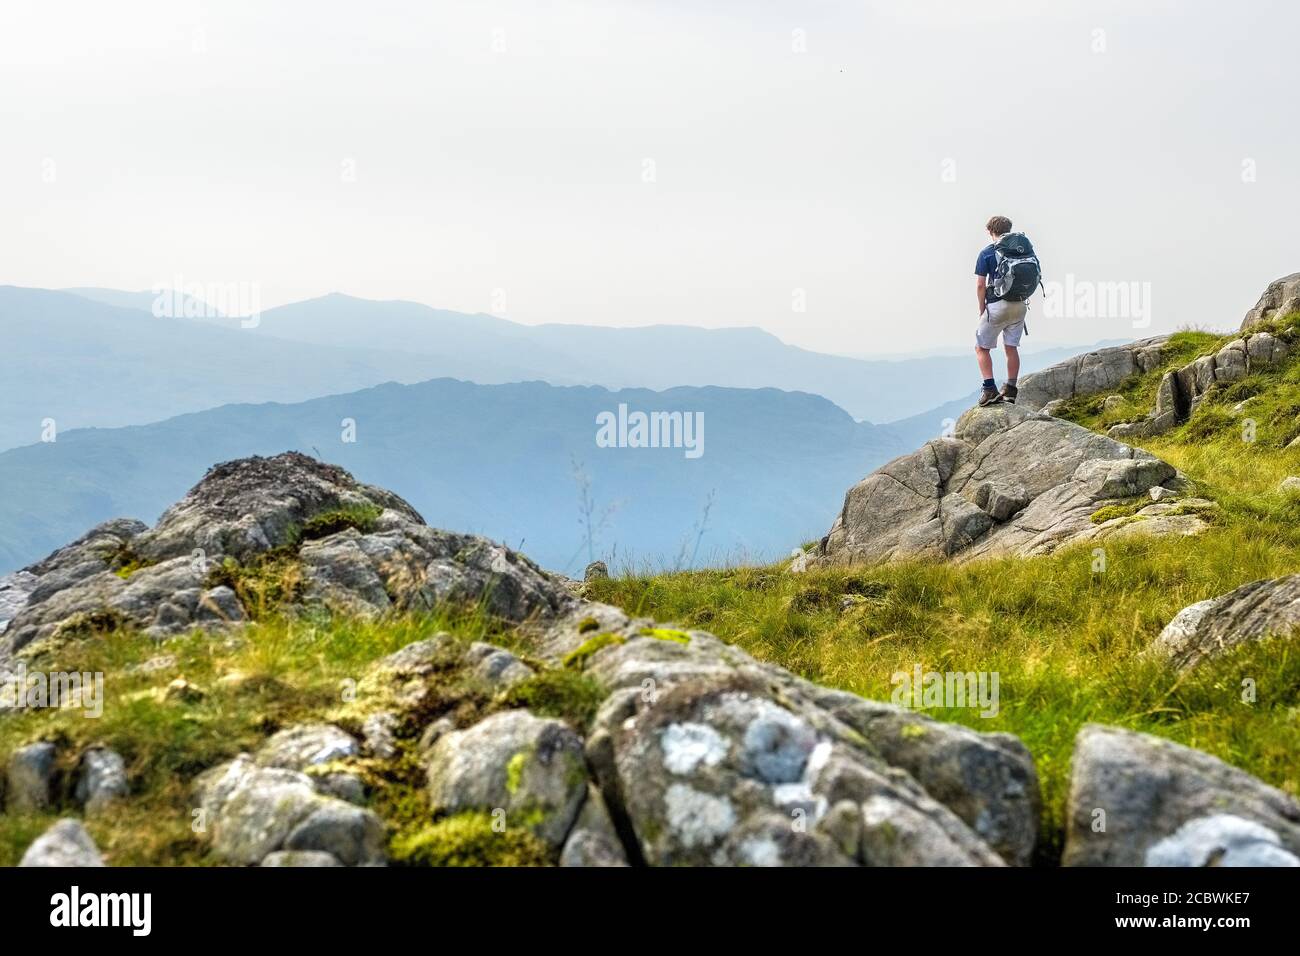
{"points": [[444, 151]]}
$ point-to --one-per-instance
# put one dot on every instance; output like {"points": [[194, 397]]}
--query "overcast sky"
{"points": [[715, 163]]}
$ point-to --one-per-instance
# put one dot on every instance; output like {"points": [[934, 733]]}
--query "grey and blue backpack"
{"points": [[1017, 273]]}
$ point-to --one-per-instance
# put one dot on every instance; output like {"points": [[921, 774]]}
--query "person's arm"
{"points": [[981, 284]]}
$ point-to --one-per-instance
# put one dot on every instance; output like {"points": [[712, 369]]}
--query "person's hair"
{"points": [[999, 225]]}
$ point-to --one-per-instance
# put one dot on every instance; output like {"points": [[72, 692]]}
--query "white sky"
{"points": [[208, 140]]}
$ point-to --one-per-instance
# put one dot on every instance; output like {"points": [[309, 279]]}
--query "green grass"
{"points": [[1065, 640], [361, 517], [271, 675], [469, 839]]}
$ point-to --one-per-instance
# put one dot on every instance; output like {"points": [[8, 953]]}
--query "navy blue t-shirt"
{"points": [[986, 265]]}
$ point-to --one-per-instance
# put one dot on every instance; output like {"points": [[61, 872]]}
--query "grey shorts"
{"points": [[1006, 318]]}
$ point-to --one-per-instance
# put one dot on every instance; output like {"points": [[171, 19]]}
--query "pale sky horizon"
{"points": [[651, 162]]}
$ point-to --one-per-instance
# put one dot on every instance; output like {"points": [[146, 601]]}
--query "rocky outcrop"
{"points": [[1009, 481], [704, 755], [1138, 800], [1252, 612], [14, 590], [600, 739], [1181, 391], [1091, 373], [288, 529], [1280, 298]]}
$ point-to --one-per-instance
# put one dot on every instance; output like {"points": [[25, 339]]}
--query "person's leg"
{"points": [[986, 339], [1013, 314]]}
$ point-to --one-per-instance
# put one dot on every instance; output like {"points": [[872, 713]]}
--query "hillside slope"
{"points": [[492, 714], [1073, 634]]}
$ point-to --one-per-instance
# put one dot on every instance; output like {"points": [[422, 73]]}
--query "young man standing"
{"points": [[1007, 274]]}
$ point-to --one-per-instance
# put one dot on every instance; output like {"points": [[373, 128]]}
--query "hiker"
{"points": [[1007, 273]]}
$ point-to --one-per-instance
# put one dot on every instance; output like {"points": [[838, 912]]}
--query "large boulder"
{"points": [[1090, 373], [101, 780], [29, 777], [705, 755], [716, 771], [1280, 298], [1138, 800], [64, 844], [1010, 481], [250, 811], [1252, 612], [530, 767], [337, 544]]}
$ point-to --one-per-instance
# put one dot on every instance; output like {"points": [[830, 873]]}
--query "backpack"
{"points": [[1017, 274]]}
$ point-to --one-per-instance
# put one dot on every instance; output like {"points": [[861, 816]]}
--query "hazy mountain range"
{"points": [[507, 461], [478, 455], [204, 362]]}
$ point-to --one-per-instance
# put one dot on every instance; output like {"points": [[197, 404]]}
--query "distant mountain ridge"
{"points": [[654, 356], [507, 461], [80, 363]]}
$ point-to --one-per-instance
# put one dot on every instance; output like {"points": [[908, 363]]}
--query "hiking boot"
{"points": [[990, 396], [1009, 393]]}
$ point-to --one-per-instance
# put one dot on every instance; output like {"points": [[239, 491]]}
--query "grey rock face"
{"points": [[530, 767], [101, 780], [1139, 800], [1181, 391], [1090, 373], [14, 590], [987, 779], [1221, 840], [593, 840], [716, 772], [30, 777], [1008, 482], [496, 666], [1280, 298], [705, 756], [240, 511], [65, 844], [306, 745], [379, 733], [1261, 609], [251, 811], [352, 835]]}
